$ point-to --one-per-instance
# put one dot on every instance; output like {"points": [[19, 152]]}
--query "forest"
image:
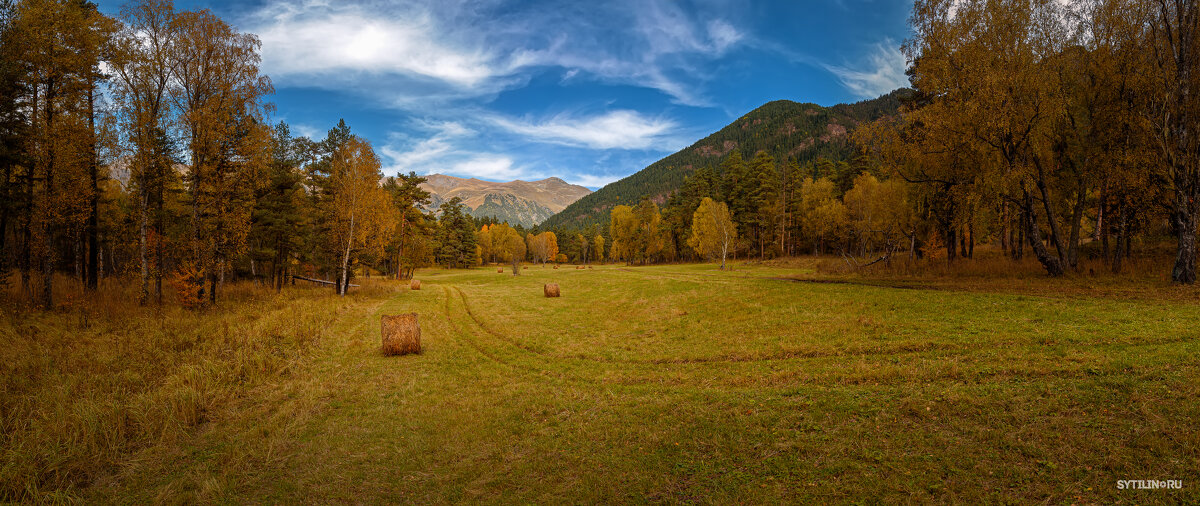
{"points": [[142, 146], [1061, 130]]}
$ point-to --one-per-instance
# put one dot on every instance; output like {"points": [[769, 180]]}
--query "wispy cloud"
{"points": [[882, 72], [620, 129], [454, 49], [441, 145]]}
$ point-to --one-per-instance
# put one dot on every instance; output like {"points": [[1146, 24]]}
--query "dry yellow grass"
{"points": [[85, 387]]}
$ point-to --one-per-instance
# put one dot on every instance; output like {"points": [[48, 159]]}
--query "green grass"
{"points": [[685, 383]]}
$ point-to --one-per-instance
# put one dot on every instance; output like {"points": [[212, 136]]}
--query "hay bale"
{"points": [[415, 285], [500, 270], [551, 289], [555, 266], [523, 267], [401, 334]]}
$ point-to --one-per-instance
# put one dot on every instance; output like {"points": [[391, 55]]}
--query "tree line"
{"points": [[140, 146], [766, 209]]}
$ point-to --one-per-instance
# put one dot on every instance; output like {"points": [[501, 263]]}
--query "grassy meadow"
{"points": [[768, 383]]}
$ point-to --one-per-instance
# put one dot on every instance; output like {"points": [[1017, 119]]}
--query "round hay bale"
{"points": [[551, 289], [523, 267], [401, 334], [555, 266], [415, 285], [500, 270]]}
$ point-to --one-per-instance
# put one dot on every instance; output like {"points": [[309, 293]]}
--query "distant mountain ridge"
{"points": [[527, 203], [785, 129]]}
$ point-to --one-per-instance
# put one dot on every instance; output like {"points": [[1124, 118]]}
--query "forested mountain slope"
{"points": [[785, 129]]}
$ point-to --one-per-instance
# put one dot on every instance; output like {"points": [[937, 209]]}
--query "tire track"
{"points": [[790, 355]]}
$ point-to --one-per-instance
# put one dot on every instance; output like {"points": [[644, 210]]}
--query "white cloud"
{"points": [[590, 180], [491, 167], [722, 35], [883, 72], [620, 129], [408, 54], [319, 40]]}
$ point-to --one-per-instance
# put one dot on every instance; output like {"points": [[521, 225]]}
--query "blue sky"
{"points": [[588, 91]]}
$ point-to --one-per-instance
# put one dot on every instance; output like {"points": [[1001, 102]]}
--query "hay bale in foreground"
{"points": [[555, 266], [500, 270], [523, 267], [401, 334], [551, 289], [415, 285]]}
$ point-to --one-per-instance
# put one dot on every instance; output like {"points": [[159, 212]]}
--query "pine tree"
{"points": [[455, 236]]}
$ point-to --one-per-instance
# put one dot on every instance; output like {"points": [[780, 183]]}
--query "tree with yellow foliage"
{"points": [[823, 216], [508, 245], [362, 213], [880, 216], [713, 232]]}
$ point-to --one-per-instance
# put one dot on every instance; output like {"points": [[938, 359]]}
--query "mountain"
{"points": [[518, 202], [785, 129]]}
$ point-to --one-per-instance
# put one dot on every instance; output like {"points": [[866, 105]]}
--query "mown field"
{"points": [[639, 384]]}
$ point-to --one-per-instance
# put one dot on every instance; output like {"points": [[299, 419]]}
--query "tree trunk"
{"points": [[1019, 244], [1185, 256], [159, 231], [1051, 219], [1122, 229], [1052, 264], [971, 239], [346, 259], [951, 242], [93, 225], [1076, 225], [144, 297], [1104, 245], [47, 220]]}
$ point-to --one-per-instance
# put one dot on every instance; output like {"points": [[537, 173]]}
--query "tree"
{"points": [[141, 63], [648, 243], [455, 236], [713, 232], [360, 208], [879, 214], [623, 229], [510, 247], [411, 237], [764, 199], [58, 44], [598, 247], [823, 215], [218, 93], [584, 246], [1175, 41], [551, 241], [278, 220], [542, 247]]}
